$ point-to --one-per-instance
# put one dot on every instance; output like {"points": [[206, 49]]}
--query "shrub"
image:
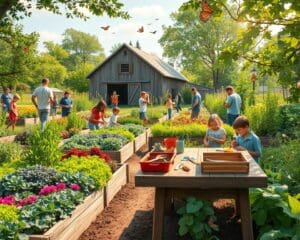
{"points": [[75, 121], [9, 222], [186, 95], [27, 111], [91, 166], [289, 116], [9, 213], [116, 130], [9, 152], [10, 167], [130, 120], [285, 160], [82, 104], [43, 146], [215, 104], [30, 179]]}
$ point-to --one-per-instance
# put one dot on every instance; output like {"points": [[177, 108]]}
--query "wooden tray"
{"points": [[219, 162]]}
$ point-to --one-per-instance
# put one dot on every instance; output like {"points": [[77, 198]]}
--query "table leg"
{"points": [[158, 215], [245, 209]]}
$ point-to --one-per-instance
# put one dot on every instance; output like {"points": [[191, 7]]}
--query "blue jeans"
{"points": [[231, 118], [43, 114], [93, 126], [195, 113], [169, 113], [143, 115]]}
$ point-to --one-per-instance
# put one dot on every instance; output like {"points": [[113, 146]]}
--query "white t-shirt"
{"points": [[43, 95], [143, 106], [112, 120]]}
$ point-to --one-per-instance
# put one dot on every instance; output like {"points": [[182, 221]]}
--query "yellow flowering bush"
{"points": [[27, 111]]}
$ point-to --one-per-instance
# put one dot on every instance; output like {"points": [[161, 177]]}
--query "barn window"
{"points": [[125, 68]]}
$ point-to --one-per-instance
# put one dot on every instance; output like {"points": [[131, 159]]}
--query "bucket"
{"points": [[180, 146], [170, 142]]}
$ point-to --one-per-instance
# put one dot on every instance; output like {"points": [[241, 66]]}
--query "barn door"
{"points": [[134, 90]]}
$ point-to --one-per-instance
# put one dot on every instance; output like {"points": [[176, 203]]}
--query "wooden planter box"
{"points": [[152, 140], [114, 185], [123, 154], [140, 141], [7, 139], [74, 226]]}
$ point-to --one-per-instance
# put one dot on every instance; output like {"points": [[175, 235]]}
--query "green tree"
{"points": [[137, 44], [197, 46], [48, 66], [16, 9], [56, 51], [82, 47], [17, 51], [279, 55], [77, 80]]}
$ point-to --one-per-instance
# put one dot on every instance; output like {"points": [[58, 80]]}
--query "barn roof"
{"points": [[164, 68]]}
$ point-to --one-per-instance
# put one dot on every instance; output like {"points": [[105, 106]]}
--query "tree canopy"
{"points": [[273, 54]]}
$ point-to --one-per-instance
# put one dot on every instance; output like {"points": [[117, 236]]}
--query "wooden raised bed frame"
{"points": [[85, 213], [123, 154], [74, 226], [140, 141]]}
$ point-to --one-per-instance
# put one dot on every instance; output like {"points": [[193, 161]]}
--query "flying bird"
{"points": [[141, 29], [105, 28], [153, 32], [206, 11]]}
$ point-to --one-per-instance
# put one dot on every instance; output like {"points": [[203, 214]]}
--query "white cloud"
{"points": [[50, 36], [151, 11]]}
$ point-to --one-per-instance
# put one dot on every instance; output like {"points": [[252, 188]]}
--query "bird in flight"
{"points": [[153, 32], [105, 28], [141, 29]]}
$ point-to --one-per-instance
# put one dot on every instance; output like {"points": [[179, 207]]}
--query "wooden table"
{"points": [[180, 184]]}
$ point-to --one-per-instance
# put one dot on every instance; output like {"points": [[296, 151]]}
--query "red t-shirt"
{"points": [[95, 116], [12, 116]]}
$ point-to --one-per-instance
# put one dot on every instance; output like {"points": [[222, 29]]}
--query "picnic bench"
{"points": [[179, 184]]}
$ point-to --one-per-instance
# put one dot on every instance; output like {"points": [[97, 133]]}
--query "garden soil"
{"points": [[129, 215]]}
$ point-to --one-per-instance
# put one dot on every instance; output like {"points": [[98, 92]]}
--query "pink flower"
{"points": [[75, 187], [8, 200], [27, 200], [47, 190], [60, 186]]}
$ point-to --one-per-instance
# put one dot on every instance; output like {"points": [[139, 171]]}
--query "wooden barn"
{"points": [[129, 71]]}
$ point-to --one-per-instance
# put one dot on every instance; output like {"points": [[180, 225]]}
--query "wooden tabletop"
{"points": [[196, 179]]}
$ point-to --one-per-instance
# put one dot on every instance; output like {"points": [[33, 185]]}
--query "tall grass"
{"points": [[215, 104]]}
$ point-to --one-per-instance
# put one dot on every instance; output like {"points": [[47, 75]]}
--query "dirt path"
{"points": [[129, 215]]}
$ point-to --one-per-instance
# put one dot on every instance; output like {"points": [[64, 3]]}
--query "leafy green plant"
{"points": [[284, 159], [130, 120], [82, 103], [75, 122], [10, 152], [43, 146], [30, 179], [289, 116], [196, 218], [186, 95], [116, 130], [275, 212], [135, 129], [105, 141], [10, 226], [91, 166], [151, 113], [215, 104], [47, 210]]}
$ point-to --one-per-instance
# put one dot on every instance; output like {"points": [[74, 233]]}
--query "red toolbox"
{"points": [[157, 166]]}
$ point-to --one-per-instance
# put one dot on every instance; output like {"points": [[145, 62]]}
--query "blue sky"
{"points": [[50, 26]]}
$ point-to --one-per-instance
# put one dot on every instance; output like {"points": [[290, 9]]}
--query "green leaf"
{"points": [[260, 217], [294, 204], [193, 207], [183, 230]]}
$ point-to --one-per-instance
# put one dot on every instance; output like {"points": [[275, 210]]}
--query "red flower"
{"points": [[27, 200], [60, 186], [75, 187], [47, 190], [8, 200], [98, 152]]}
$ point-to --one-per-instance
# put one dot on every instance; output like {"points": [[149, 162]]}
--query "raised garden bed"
{"points": [[140, 141], [114, 185], [123, 154], [74, 226]]}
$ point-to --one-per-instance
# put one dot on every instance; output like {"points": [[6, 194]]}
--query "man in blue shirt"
{"points": [[66, 104], [6, 98], [246, 139], [196, 103], [233, 104]]}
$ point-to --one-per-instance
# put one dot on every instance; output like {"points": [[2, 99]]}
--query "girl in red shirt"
{"points": [[13, 112], [97, 116]]}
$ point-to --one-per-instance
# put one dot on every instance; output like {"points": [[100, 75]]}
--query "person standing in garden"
{"points": [[233, 104], [44, 97], [65, 104], [143, 103], [13, 112], [196, 103], [6, 98], [114, 98], [97, 116], [178, 101], [169, 105]]}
